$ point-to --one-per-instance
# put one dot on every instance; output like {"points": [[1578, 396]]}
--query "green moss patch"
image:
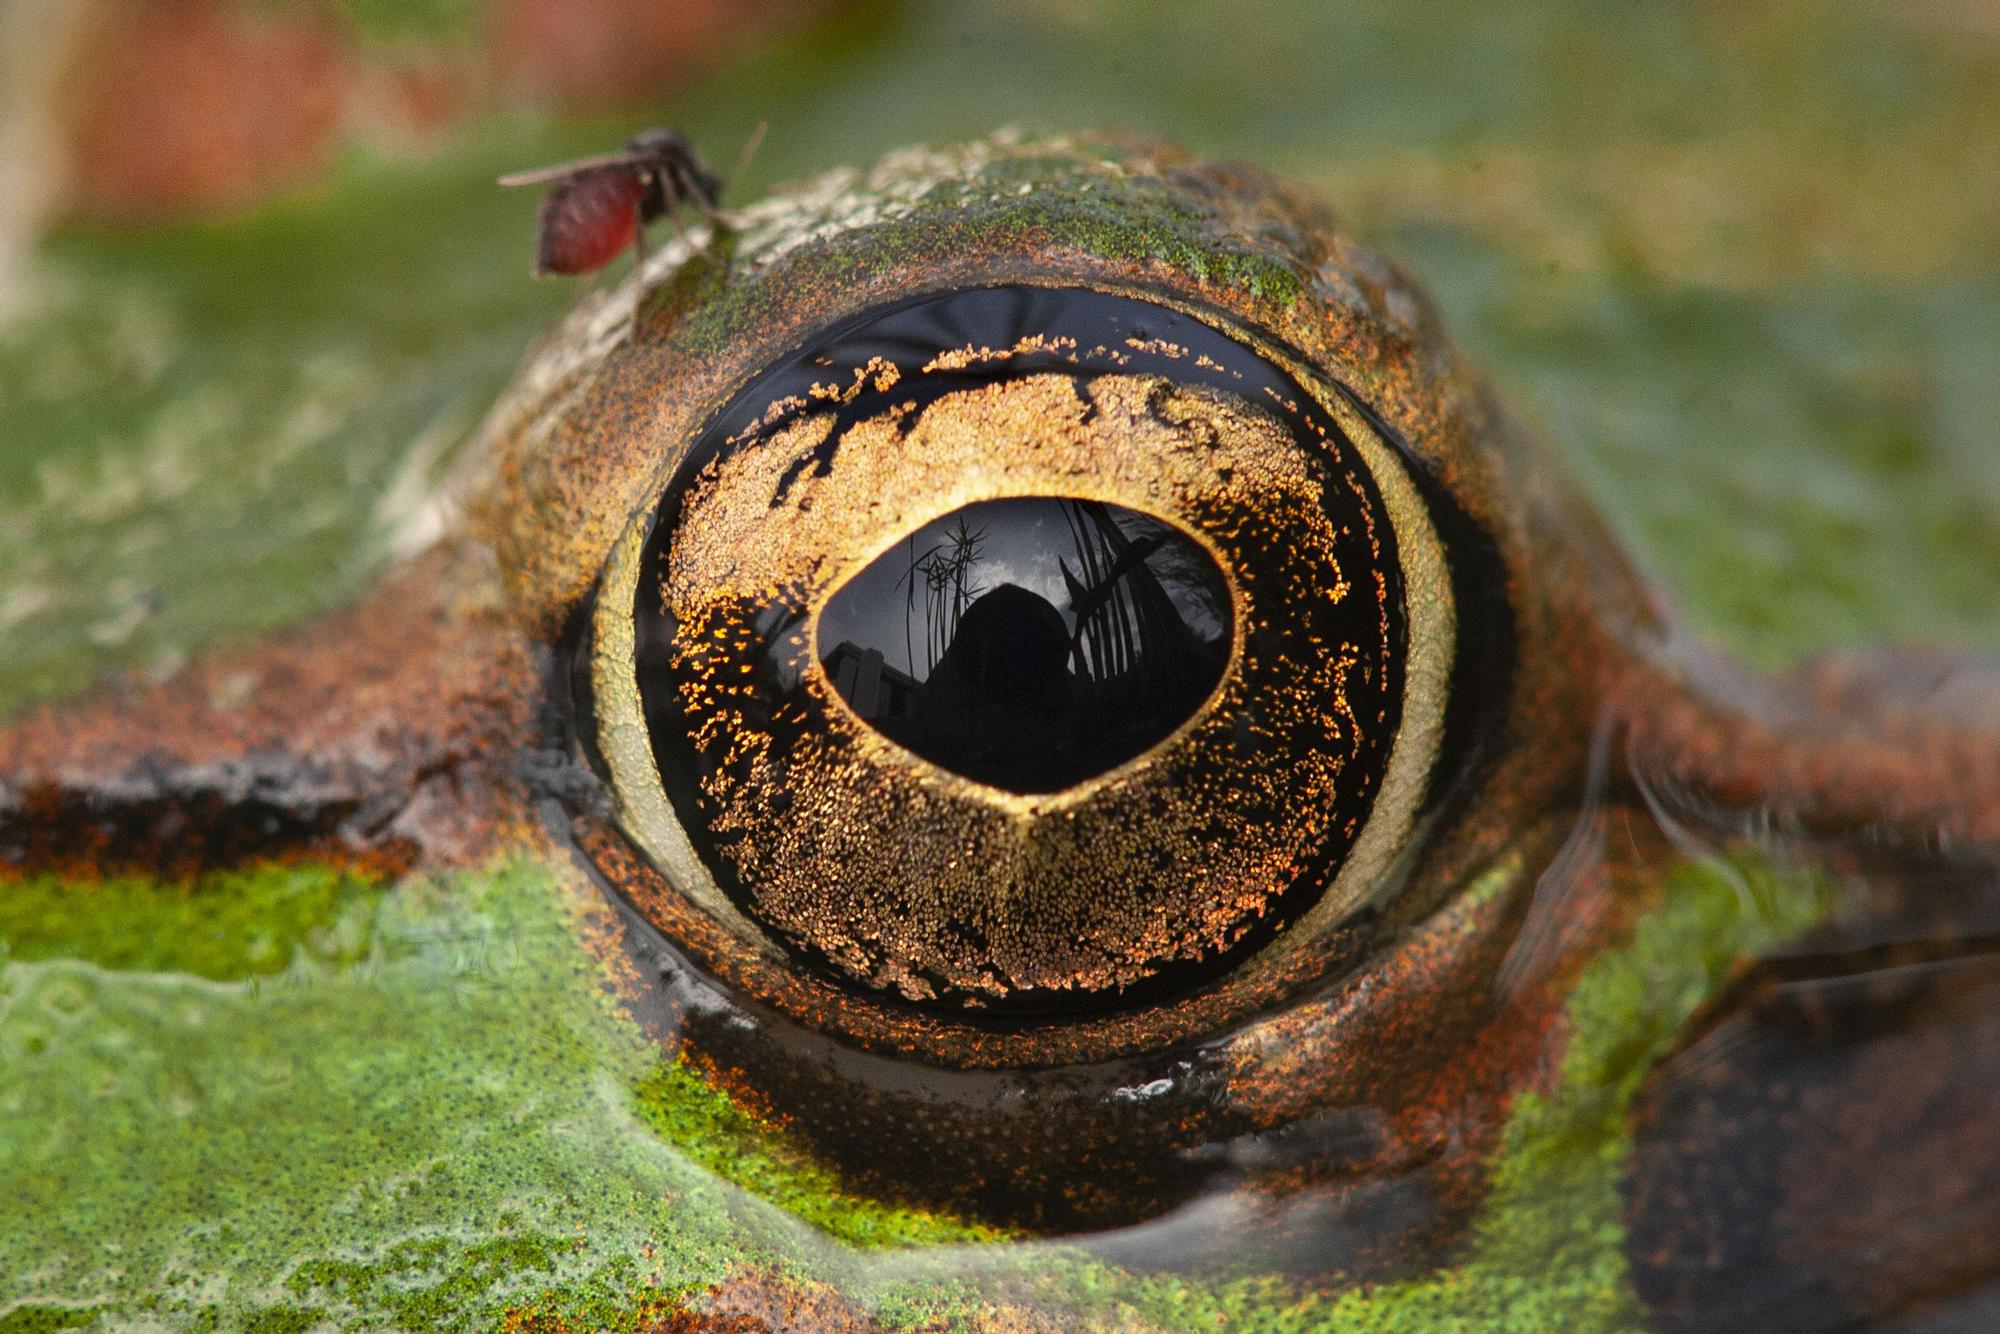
{"points": [[223, 926], [713, 1131], [33, 1319]]}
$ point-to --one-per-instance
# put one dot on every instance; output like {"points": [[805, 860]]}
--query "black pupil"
{"points": [[1031, 643]]}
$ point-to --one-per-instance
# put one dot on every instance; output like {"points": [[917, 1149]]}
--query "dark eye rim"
{"points": [[1481, 674]]}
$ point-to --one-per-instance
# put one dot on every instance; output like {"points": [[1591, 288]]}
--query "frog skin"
{"points": [[1801, 1139]]}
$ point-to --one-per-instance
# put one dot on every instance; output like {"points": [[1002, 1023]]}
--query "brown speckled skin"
{"points": [[424, 724]]}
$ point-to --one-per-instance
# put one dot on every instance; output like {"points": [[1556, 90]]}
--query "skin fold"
{"points": [[1678, 1009]]}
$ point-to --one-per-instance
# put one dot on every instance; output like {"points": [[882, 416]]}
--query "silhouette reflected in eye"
{"points": [[1031, 643]]}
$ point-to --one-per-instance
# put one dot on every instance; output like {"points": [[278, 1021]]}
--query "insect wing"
{"points": [[587, 219], [577, 166]]}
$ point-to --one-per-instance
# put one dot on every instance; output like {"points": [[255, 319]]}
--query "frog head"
{"points": [[1062, 761]]}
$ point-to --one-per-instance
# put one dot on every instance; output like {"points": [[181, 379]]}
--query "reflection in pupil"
{"points": [[1030, 644]]}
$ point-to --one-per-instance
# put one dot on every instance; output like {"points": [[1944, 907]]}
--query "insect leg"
{"points": [[638, 262], [747, 152], [693, 187]]}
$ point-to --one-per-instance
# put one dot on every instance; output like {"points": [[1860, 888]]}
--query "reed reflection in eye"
{"points": [[1028, 651], [1030, 643]]}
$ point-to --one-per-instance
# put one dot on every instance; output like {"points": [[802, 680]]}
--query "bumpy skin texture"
{"points": [[1349, 1107]]}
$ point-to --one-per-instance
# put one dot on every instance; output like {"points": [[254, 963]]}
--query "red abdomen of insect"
{"points": [[587, 219]]}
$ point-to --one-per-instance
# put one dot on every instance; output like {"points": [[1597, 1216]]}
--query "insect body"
{"points": [[598, 206]]}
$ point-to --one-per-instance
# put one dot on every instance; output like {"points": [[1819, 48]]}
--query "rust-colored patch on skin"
{"points": [[756, 1300], [1883, 740], [750, 1301], [1344, 1100], [1435, 1043], [763, 1301], [377, 736], [760, 1301], [1430, 1044]]}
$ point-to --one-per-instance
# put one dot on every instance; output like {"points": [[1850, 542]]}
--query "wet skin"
{"points": [[1667, 999]]}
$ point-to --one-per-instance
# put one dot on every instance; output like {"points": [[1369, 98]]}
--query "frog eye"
{"points": [[1024, 654]]}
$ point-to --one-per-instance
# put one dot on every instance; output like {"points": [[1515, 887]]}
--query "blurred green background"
{"points": [[1740, 261]]}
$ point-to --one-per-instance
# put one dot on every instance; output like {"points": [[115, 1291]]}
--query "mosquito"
{"points": [[598, 206]]}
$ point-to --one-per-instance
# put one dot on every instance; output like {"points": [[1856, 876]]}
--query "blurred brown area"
{"points": [[172, 108]]}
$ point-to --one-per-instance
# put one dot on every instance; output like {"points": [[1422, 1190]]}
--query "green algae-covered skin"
{"points": [[261, 1142], [323, 1094]]}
